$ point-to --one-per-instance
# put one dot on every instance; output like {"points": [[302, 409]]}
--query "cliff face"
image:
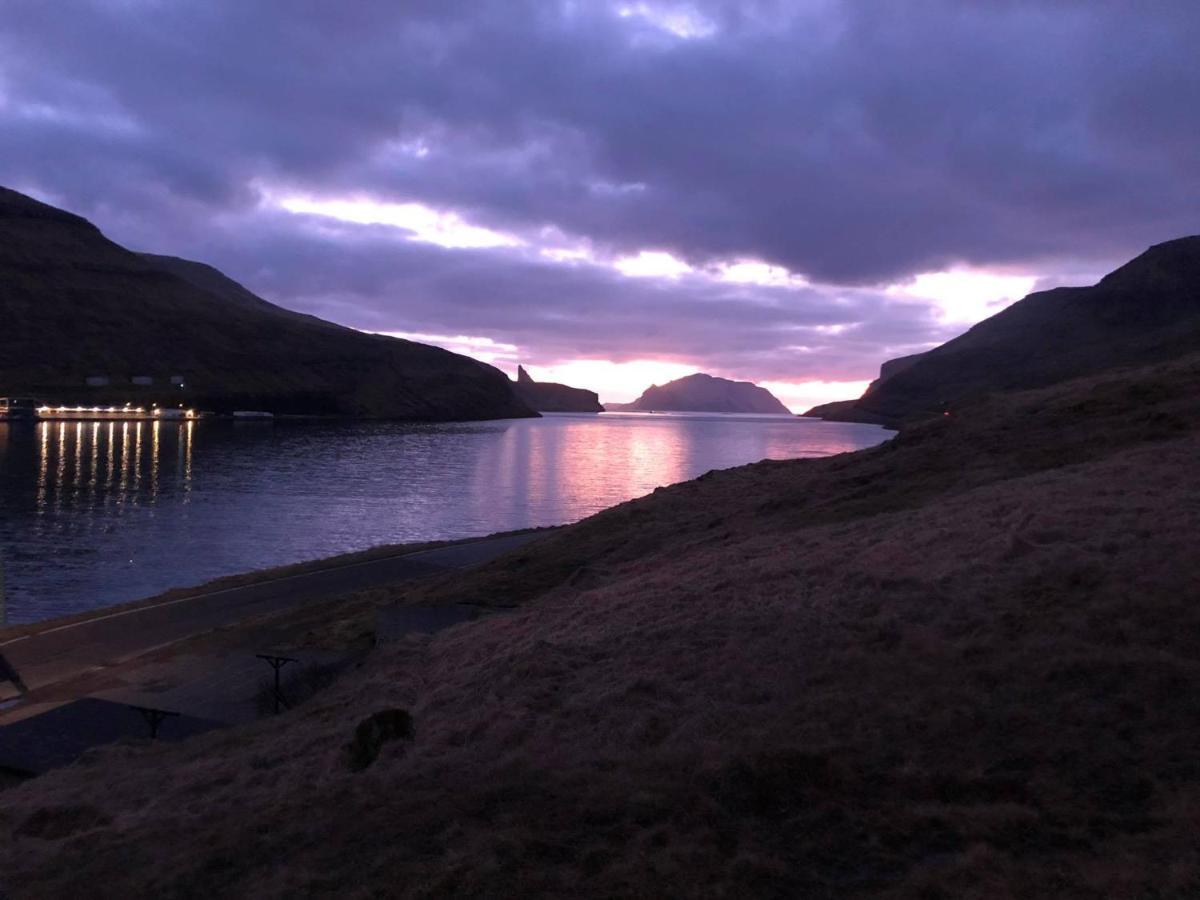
{"points": [[706, 393], [546, 396], [75, 305], [1146, 311]]}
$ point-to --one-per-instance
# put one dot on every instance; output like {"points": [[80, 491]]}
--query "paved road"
{"points": [[68, 650]]}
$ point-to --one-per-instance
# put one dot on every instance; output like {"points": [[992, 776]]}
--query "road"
{"points": [[65, 651]]}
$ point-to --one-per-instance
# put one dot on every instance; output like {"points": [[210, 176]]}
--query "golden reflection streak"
{"points": [[43, 466], [77, 472], [187, 461], [110, 470], [94, 467], [137, 457], [154, 460], [124, 462], [60, 464]]}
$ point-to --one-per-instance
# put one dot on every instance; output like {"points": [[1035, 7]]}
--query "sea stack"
{"points": [[550, 397]]}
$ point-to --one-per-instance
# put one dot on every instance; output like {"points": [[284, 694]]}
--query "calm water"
{"points": [[94, 513]]}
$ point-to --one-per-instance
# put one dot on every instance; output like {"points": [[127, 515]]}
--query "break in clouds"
{"points": [[765, 190]]}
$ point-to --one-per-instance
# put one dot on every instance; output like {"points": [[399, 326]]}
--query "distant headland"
{"points": [[704, 393], [546, 396]]}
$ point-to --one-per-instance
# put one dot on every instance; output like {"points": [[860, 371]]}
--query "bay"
{"points": [[97, 513]]}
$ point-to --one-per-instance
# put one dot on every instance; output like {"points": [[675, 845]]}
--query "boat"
{"points": [[18, 409]]}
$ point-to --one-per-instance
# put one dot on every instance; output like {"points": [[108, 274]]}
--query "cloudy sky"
{"points": [[622, 192]]}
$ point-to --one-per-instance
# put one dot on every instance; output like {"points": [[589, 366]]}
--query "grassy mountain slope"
{"points": [[961, 664], [214, 282], [74, 304], [1147, 310]]}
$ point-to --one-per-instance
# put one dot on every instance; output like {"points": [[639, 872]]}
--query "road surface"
{"points": [[65, 651]]}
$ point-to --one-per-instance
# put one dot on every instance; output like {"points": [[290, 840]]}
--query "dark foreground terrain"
{"points": [[961, 664]]}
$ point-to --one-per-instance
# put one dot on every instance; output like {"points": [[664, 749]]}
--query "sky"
{"points": [[620, 193]]}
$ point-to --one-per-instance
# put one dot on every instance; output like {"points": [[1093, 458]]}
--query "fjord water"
{"points": [[95, 513]]}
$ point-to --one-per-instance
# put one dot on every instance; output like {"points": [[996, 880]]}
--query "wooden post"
{"points": [[277, 663], [154, 718]]}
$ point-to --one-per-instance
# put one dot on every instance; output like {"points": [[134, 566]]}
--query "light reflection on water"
{"points": [[94, 513]]}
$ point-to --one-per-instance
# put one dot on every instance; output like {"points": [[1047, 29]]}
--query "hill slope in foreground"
{"points": [[75, 305], [960, 664], [1145, 311]]}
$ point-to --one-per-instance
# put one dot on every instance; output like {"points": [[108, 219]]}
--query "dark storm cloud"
{"points": [[855, 144]]}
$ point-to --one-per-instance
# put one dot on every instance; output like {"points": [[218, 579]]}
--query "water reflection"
{"points": [[84, 464], [99, 512]]}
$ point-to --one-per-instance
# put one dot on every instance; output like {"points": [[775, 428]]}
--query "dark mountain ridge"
{"points": [[75, 306], [1146, 311]]}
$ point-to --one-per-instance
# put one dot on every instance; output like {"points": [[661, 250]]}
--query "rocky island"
{"points": [[704, 393]]}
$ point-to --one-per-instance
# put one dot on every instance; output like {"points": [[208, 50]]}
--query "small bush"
{"points": [[373, 732]]}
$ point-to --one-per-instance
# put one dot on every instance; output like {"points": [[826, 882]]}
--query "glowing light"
{"points": [[568, 254], [425, 224], [966, 295], [652, 264], [124, 412], [616, 382], [675, 19], [799, 396], [752, 271], [481, 348]]}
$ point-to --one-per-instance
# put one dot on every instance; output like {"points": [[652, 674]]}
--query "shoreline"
{"points": [[12, 634]]}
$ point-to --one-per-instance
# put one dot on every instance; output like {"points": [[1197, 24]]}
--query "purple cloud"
{"points": [[853, 145]]}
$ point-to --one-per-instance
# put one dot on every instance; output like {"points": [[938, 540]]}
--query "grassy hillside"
{"points": [[1147, 310], [73, 304], [961, 664]]}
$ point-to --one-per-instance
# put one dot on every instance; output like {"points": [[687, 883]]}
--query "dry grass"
{"points": [[963, 664]]}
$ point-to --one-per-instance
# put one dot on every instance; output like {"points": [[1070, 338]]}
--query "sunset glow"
{"points": [[967, 295], [446, 229], [799, 396], [615, 382]]}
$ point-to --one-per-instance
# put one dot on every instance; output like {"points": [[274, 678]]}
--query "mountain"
{"points": [[705, 393], [546, 396], [213, 281], [75, 305], [1146, 311]]}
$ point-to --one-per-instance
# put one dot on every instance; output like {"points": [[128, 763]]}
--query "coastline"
{"points": [[326, 602], [10, 633]]}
